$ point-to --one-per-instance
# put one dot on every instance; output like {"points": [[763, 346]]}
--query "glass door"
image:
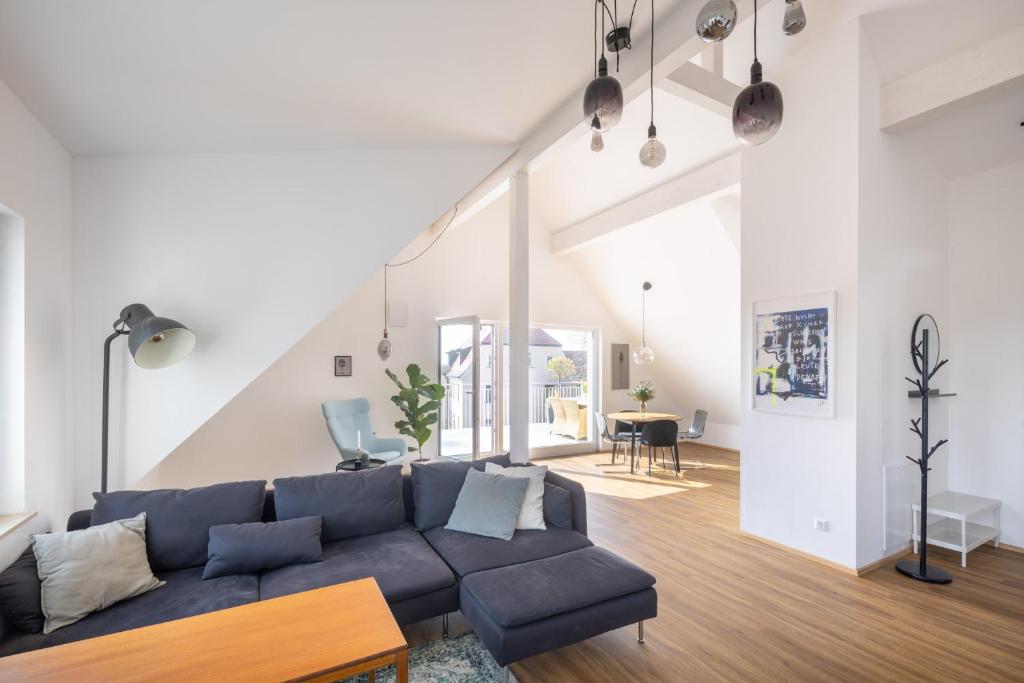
{"points": [[563, 363], [466, 366]]}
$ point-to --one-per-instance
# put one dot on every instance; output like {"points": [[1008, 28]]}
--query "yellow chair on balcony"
{"points": [[575, 419], [558, 411]]}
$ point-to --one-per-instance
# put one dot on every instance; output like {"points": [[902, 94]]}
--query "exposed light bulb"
{"points": [[794, 20], [384, 347], [716, 20], [596, 141], [644, 356], [653, 153]]}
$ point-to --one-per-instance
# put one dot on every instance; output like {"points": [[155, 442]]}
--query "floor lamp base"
{"points": [[932, 574]]}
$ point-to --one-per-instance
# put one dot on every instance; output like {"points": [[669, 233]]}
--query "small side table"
{"points": [[358, 465], [955, 530]]}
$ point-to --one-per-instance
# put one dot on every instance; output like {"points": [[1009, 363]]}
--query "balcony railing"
{"points": [[457, 407]]}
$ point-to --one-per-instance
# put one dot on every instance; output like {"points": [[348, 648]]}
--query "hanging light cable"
{"points": [[645, 356], [384, 346], [653, 153]]}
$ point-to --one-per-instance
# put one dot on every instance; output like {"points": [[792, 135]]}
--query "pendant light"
{"points": [[716, 20], [645, 356], [794, 20], [757, 111], [603, 100], [384, 346], [652, 154]]}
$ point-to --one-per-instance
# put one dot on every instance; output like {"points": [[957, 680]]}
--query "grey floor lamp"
{"points": [[154, 343]]}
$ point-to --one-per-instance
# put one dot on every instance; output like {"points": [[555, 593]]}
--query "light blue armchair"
{"points": [[347, 418]]}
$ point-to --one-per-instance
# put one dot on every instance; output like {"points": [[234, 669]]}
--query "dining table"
{"points": [[638, 418]]}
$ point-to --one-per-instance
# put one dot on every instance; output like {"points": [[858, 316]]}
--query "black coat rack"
{"points": [[919, 353]]}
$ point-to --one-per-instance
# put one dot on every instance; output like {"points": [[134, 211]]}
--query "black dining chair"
{"points": [[661, 434]]}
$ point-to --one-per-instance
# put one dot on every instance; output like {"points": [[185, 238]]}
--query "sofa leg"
{"points": [[444, 625], [640, 632]]}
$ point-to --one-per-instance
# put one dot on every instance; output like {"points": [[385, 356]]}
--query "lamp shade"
{"points": [[156, 342]]}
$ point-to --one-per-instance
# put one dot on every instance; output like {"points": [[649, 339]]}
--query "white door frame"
{"points": [[473, 320]]}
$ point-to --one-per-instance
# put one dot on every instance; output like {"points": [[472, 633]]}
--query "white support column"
{"points": [[519, 317]]}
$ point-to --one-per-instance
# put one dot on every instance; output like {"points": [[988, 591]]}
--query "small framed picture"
{"points": [[343, 366]]}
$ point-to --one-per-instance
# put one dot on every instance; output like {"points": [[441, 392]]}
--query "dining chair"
{"points": [[695, 432], [616, 440], [661, 434]]}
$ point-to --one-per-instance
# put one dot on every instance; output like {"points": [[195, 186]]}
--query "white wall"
{"points": [[274, 427], [984, 333], [250, 251], [12, 361], [799, 218], [901, 274], [35, 182], [693, 321]]}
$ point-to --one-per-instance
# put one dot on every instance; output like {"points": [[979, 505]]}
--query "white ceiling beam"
{"points": [[713, 58], [702, 87], [994, 63], [718, 177], [566, 124]]}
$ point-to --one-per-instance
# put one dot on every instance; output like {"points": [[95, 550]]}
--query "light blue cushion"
{"points": [[488, 505]]}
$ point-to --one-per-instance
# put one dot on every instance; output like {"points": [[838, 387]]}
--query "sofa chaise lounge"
{"points": [[537, 592]]}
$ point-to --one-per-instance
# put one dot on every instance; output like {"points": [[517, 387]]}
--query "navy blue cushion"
{"points": [[19, 594], [253, 547], [351, 503], [468, 553], [571, 581], [557, 506], [401, 561], [184, 595], [178, 521], [436, 486]]}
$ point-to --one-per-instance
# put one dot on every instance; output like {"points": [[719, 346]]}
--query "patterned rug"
{"points": [[459, 659]]}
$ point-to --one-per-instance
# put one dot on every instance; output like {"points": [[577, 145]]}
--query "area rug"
{"points": [[460, 659]]}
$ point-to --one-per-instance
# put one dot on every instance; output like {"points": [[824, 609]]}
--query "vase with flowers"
{"points": [[642, 393]]}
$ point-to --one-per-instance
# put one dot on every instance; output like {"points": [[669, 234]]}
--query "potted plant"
{"points": [[642, 392], [419, 402]]}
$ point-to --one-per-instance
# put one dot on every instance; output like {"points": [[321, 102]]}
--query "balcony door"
{"points": [[467, 366]]}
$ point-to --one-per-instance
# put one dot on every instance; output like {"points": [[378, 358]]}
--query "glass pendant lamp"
{"points": [[716, 20], [653, 153], [757, 111], [794, 20], [602, 100], [644, 356]]}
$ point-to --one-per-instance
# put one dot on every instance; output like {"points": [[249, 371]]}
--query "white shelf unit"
{"points": [[953, 528]]}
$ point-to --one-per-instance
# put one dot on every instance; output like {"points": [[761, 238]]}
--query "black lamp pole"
{"points": [[119, 329], [154, 342]]}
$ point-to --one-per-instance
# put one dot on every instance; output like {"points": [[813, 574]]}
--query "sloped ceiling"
{"points": [[126, 77]]}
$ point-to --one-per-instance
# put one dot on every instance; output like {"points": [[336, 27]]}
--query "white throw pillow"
{"points": [[90, 569], [531, 515]]}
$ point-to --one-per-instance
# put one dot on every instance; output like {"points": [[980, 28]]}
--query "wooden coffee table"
{"points": [[320, 635]]}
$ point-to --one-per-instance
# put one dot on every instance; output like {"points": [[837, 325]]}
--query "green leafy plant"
{"points": [[563, 368], [642, 393], [419, 402]]}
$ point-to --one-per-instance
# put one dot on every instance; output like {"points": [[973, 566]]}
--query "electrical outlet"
{"points": [[820, 524]]}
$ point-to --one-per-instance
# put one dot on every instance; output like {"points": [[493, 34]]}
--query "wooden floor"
{"points": [[732, 608]]}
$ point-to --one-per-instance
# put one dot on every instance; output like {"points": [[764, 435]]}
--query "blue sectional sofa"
{"points": [[537, 592]]}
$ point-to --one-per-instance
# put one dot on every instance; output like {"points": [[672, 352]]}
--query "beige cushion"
{"points": [[531, 514], [87, 570]]}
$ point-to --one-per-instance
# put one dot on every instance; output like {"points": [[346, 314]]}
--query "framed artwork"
{"points": [[343, 366], [794, 350], [620, 366]]}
